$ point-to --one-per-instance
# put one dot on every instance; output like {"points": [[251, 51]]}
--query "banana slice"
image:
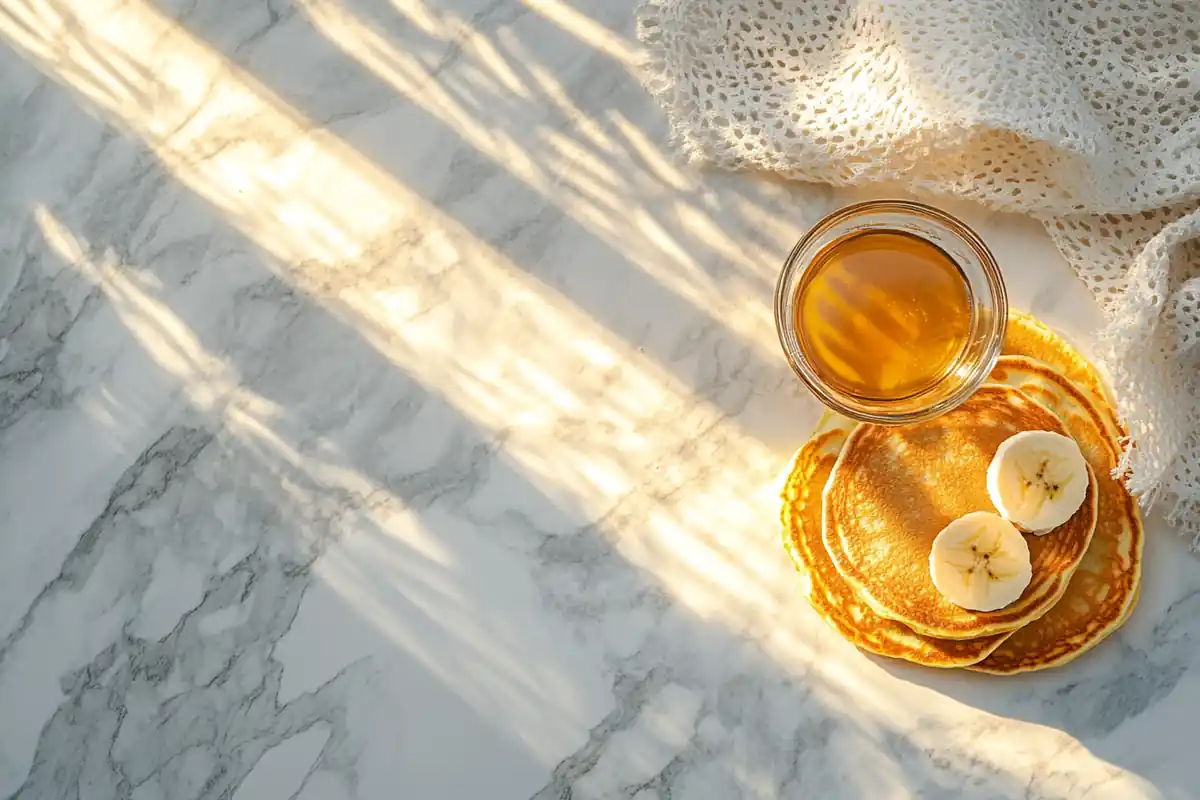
{"points": [[980, 561], [1037, 480]]}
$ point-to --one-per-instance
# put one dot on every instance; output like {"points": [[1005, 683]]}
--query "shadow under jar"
{"points": [[891, 311]]}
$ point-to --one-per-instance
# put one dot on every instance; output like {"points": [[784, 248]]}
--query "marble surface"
{"points": [[385, 414]]}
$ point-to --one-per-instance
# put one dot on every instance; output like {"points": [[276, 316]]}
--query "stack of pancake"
{"points": [[863, 503]]}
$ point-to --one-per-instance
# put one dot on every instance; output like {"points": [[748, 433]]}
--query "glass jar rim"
{"points": [[986, 289]]}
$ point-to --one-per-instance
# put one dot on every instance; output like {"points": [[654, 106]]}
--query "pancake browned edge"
{"points": [[1027, 336], [894, 488], [825, 588], [1105, 588]]}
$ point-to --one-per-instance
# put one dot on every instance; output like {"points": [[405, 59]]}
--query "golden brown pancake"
{"points": [[825, 588], [893, 489], [1027, 336], [1104, 589]]}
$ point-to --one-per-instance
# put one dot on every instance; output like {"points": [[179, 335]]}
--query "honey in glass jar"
{"points": [[883, 315], [891, 311]]}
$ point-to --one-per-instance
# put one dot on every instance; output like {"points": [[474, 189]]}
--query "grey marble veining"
{"points": [[385, 413]]}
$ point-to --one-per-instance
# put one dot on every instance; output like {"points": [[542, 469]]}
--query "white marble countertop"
{"points": [[386, 415]]}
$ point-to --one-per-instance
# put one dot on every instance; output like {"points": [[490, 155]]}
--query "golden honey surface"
{"points": [[883, 315]]}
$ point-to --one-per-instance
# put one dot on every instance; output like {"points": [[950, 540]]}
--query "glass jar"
{"points": [[986, 299]]}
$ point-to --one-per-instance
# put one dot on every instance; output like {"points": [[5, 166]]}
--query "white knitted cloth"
{"points": [[1085, 114]]}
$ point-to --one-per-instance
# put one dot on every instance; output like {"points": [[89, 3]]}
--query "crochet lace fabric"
{"points": [[1085, 114]]}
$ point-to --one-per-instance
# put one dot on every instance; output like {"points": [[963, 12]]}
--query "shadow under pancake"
{"points": [[1089, 698]]}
